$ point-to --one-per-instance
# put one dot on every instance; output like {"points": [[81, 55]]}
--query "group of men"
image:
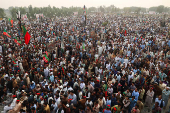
{"points": [[69, 67]]}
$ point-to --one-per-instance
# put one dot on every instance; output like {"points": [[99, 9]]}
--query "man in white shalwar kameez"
{"points": [[149, 97], [11, 106]]}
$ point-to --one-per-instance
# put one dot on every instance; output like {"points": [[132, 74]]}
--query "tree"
{"points": [[2, 14], [22, 10], [31, 12], [166, 9], [68, 11], [160, 9], [143, 10], [153, 9], [92, 9], [101, 9], [138, 10], [13, 13], [127, 9]]}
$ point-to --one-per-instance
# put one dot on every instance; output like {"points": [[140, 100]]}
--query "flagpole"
{"points": [[84, 13], [19, 18]]}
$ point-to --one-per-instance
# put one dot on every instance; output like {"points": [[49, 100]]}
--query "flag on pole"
{"points": [[16, 41], [5, 33], [46, 59], [11, 22], [26, 35], [47, 53], [84, 7]]}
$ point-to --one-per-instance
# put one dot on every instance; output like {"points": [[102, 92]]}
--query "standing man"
{"points": [[160, 101], [135, 93], [126, 103], [73, 97], [165, 95], [149, 98]]}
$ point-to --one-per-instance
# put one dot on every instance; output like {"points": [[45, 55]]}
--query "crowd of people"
{"points": [[69, 67]]}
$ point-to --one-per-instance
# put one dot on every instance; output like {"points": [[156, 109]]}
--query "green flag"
{"points": [[26, 35], [5, 33], [16, 41], [47, 58], [83, 46]]}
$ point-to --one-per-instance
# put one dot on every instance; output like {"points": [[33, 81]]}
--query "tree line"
{"points": [[67, 11]]}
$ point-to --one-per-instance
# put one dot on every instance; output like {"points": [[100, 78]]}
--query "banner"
{"points": [[75, 13]]}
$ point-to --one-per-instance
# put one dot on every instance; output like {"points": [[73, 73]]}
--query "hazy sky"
{"points": [[67, 3]]}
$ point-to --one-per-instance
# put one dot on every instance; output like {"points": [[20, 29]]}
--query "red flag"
{"points": [[12, 23], [63, 70], [26, 35], [15, 40], [125, 33], [46, 53], [5, 33], [27, 38], [45, 60]]}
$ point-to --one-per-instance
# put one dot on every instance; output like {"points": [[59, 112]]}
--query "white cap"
{"points": [[61, 87], [9, 94], [67, 105], [167, 87], [6, 76]]}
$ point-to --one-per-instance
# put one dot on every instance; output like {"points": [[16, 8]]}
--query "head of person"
{"points": [[113, 95], [136, 106], [133, 97], [45, 104], [17, 101], [88, 107], [160, 97], [71, 92], [156, 104], [96, 102], [108, 107], [133, 84], [127, 98], [151, 88]]}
